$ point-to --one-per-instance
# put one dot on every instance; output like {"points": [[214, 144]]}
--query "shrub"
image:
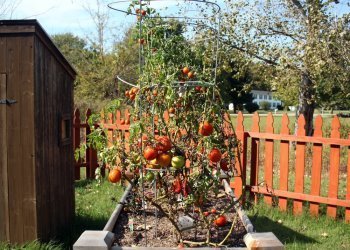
{"points": [[251, 107], [265, 105], [280, 107]]}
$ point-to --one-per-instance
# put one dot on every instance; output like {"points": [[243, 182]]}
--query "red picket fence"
{"points": [[268, 173], [278, 189], [80, 133]]}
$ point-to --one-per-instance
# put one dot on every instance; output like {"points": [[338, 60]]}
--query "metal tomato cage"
{"points": [[194, 14]]}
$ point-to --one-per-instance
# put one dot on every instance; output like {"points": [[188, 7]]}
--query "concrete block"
{"points": [[262, 241], [99, 240]]}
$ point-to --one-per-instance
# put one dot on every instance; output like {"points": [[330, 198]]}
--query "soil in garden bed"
{"points": [[160, 232]]}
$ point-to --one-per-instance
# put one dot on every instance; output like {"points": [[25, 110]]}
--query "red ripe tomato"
{"points": [[115, 175], [171, 110], [198, 88], [143, 12], [141, 41], [206, 214], [224, 164], [213, 211], [163, 143], [190, 74], [206, 128], [220, 221], [150, 153], [215, 155], [185, 70]]}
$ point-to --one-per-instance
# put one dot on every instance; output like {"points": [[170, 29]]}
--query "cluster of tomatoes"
{"points": [[131, 93], [187, 72], [160, 155]]}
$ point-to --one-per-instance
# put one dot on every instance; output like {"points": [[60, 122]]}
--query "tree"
{"points": [[298, 38], [235, 81], [7, 8]]}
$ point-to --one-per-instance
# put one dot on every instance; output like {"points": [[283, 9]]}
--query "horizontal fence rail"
{"points": [[288, 170]]}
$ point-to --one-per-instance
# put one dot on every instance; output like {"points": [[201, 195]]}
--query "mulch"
{"points": [[161, 233]]}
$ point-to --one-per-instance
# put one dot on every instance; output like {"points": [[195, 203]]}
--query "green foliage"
{"points": [[305, 42], [251, 107], [265, 105]]}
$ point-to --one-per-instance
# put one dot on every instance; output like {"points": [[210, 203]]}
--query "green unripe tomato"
{"points": [[178, 162]]}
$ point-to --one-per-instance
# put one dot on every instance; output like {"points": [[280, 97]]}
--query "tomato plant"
{"points": [[183, 154]]}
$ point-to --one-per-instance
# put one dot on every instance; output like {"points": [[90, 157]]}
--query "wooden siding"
{"points": [[55, 174], [36, 169]]}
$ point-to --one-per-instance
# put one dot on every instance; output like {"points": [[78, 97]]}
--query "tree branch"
{"points": [[298, 5], [268, 61], [280, 32]]}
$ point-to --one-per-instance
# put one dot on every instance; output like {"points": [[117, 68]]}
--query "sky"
{"points": [[61, 16]]}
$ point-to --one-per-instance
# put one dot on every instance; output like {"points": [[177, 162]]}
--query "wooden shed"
{"points": [[36, 152]]}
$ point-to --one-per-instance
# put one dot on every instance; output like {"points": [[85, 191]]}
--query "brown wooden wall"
{"points": [[18, 171], [36, 173], [55, 177]]}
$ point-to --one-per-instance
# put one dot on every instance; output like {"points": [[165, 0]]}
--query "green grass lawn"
{"points": [[94, 204], [301, 232]]}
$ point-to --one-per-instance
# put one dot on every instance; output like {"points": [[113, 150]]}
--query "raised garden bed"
{"points": [[130, 227], [128, 230]]}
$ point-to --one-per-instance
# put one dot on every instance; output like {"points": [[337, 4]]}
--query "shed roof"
{"points": [[32, 26]]}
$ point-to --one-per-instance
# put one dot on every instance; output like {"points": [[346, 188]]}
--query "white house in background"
{"points": [[265, 96]]}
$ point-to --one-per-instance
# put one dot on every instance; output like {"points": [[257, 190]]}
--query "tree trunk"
{"points": [[306, 103]]}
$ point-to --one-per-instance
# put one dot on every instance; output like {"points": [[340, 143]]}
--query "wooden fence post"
{"points": [[299, 166], [316, 166], [76, 142], [334, 167], [239, 183], [269, 158], [284, 162], [254, 157]]}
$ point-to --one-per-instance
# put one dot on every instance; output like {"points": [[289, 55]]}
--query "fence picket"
{"points": [[268, 170], [316, 165], [334, 167], [240, 166], [254, 157], [347, 211], [299, 166], [76, 141], [284, 162]]}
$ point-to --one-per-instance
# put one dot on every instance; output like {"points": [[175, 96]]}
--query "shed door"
{"points": [[4, 216]]}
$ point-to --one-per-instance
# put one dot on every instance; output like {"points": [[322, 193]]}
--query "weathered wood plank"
{"points": [[4, 212], [14, 140], [26, 103], [316, 166]]}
